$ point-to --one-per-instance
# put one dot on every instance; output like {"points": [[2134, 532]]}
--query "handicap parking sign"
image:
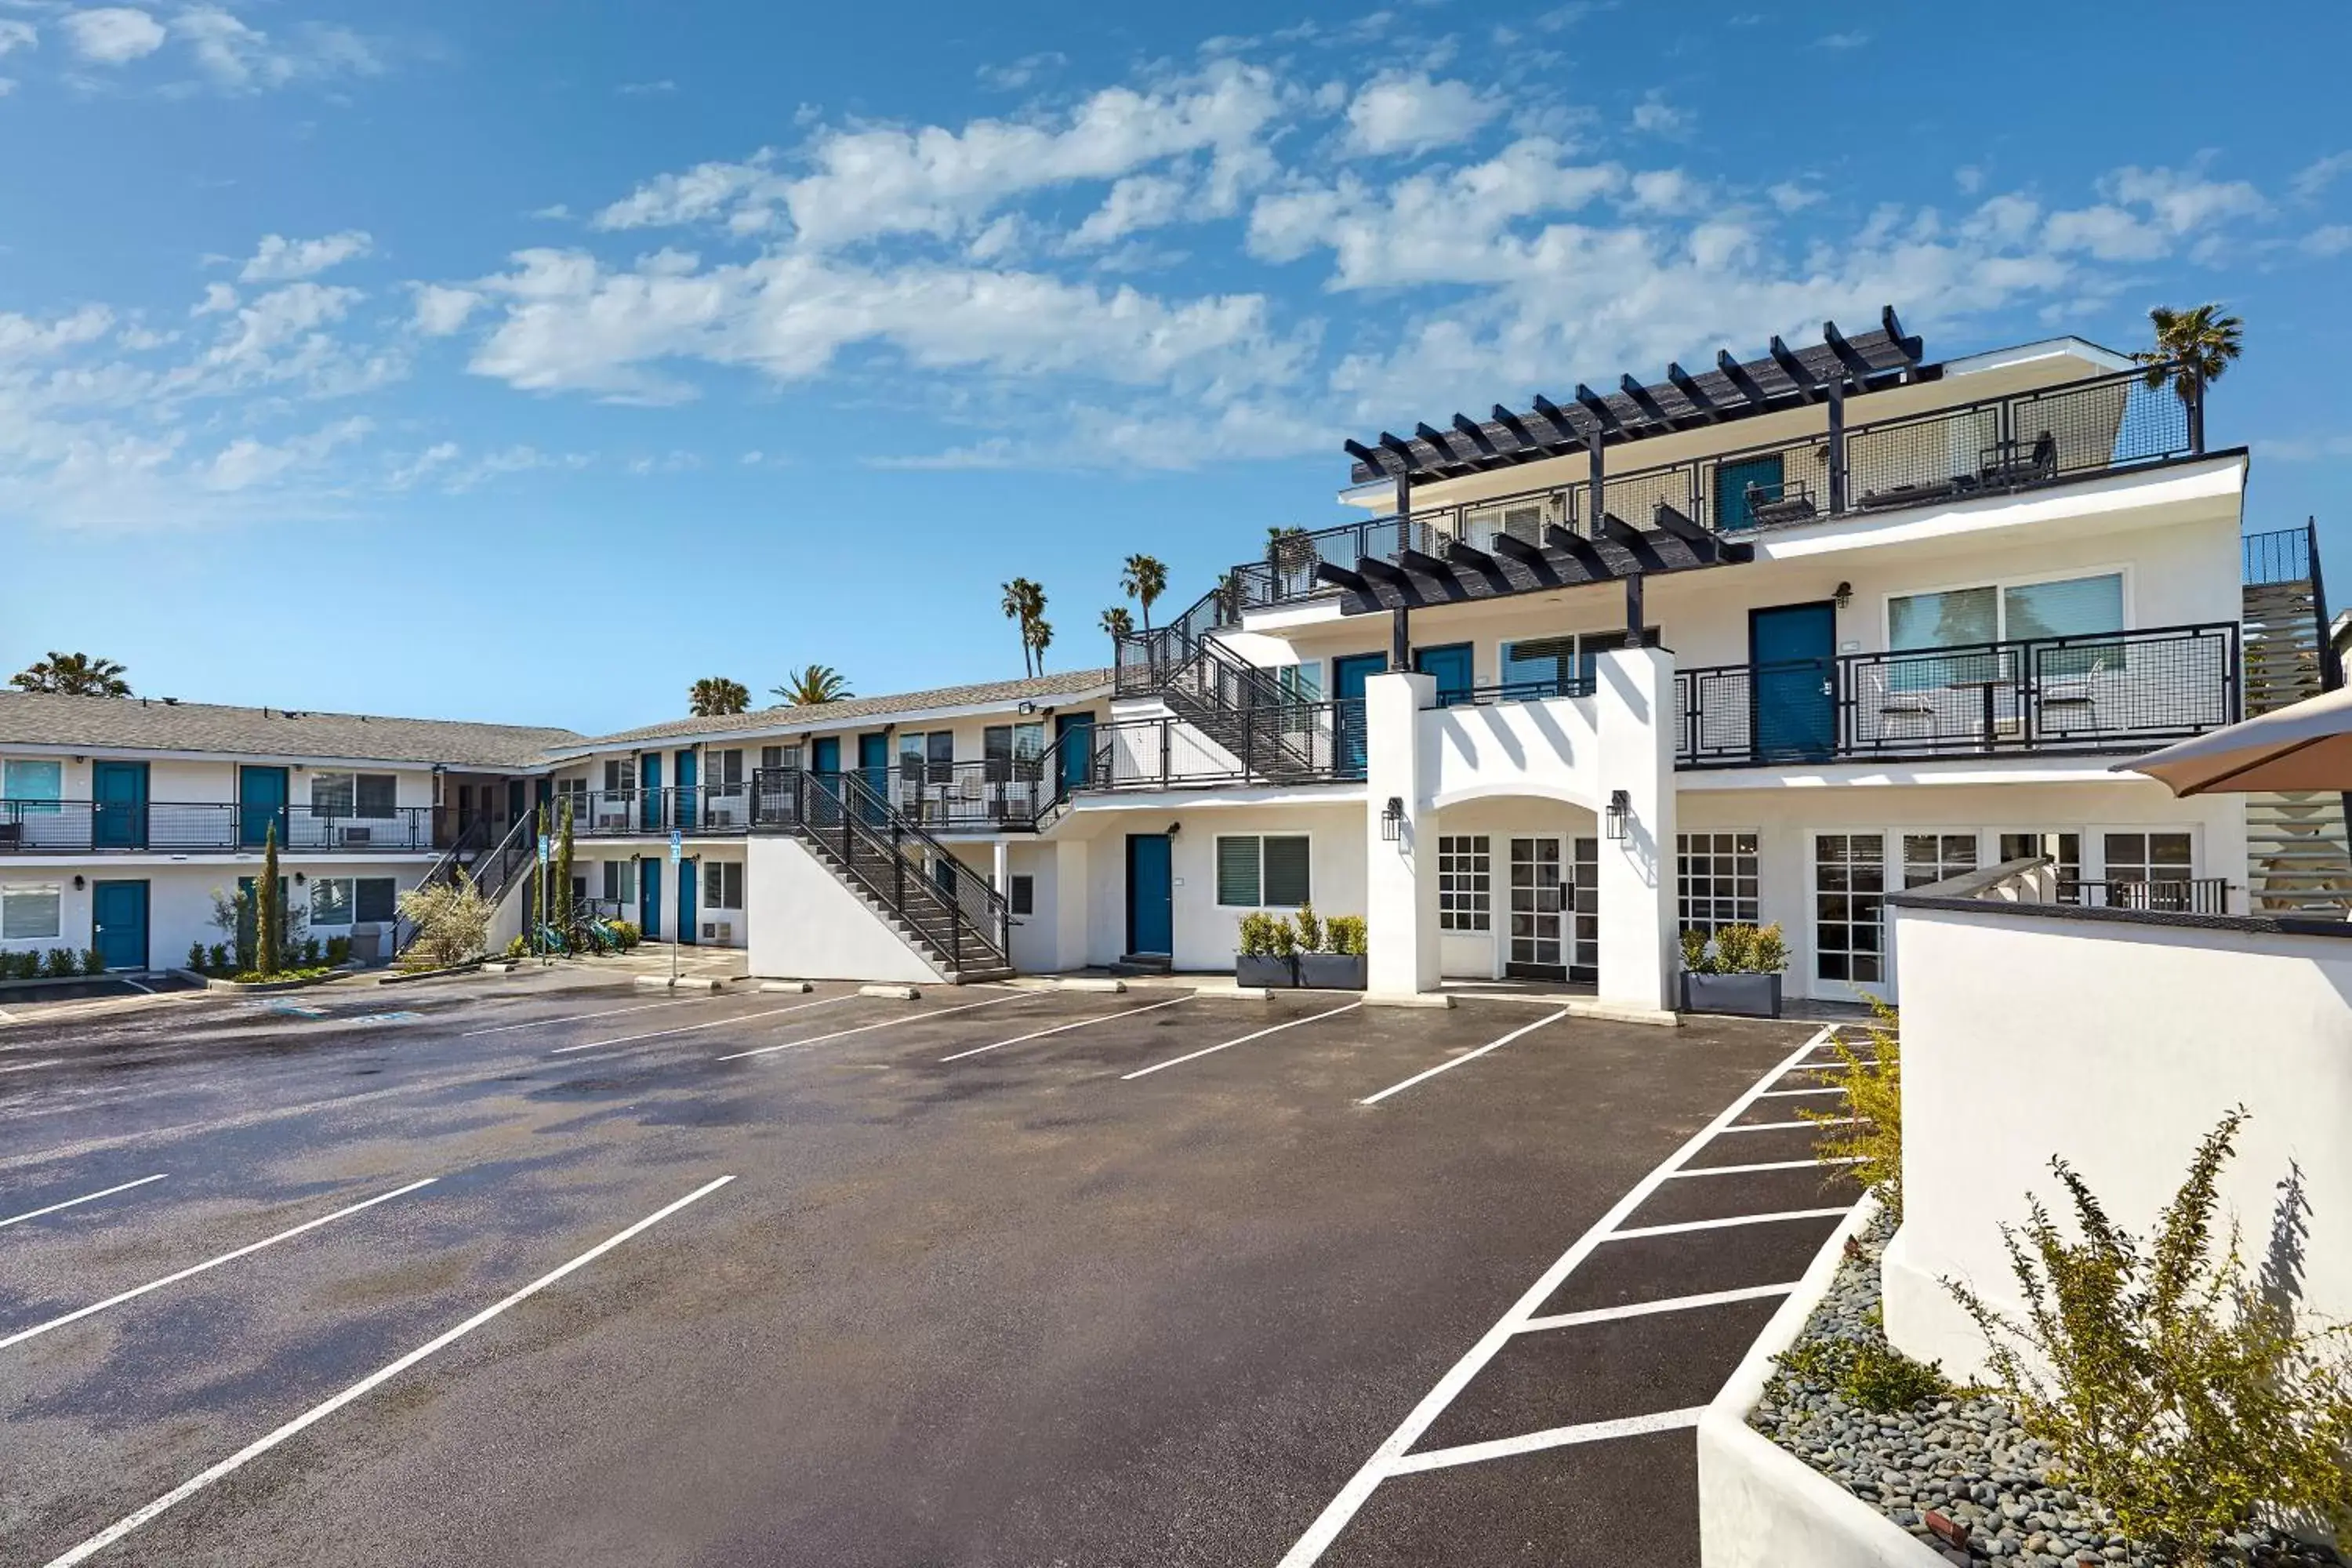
{"points": [[676, 846]]}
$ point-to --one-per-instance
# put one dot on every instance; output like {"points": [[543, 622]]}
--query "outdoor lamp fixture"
{"points": [[1620, 814], [77, 882], [1174, 828], [1027, 707], [1845, 595], [299, 879], [1392, 819]]}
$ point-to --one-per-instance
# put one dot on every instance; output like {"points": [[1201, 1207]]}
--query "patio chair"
{"points": [[1770, 506], [2003, 462]]}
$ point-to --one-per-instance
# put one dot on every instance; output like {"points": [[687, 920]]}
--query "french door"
{"points": [[1539, 929], [1849, 874]]}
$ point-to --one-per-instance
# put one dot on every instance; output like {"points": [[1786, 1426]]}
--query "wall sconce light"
{"points": [[77, 882], [299, 879], [1620, 814], [1027, 707], [1174, 828], [1393, 819], [1845, 595]]}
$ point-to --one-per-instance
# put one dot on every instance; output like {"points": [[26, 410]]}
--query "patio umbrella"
{"points": [[2307, 746]]}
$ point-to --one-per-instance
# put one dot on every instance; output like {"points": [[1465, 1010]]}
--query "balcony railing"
{"points": [[702, 809], [85, 826], [1517, 691], [2099, 692], [1005, 794], [1319, 743], [1992, 447]]}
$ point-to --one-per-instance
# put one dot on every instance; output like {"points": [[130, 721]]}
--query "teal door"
{"points": [[686, 902], [1074, 751], [1348, 678], [824, 755], [649, 896], [1151, 894], [260, 807], [118, 793], [687, 776], [1792, 675], [874, 771], [118, 912], [1452, 665], [1741, 486], [649, 794]]}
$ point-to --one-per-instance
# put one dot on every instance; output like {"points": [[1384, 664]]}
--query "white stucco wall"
{"points": [[1205, 933], [179, 896], [805, 925], [2118, 1047]]}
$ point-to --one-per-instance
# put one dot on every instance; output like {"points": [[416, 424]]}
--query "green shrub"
{"points": [[1310, 928], [311, 952], [92, 961], [627, 933], [1737, 950], [62, 963], [452, 921], [1257, 938], [517, 947], [14, 967], [1866, 1127], [196, 956], [338, 951], [2178, 1392], [1346, 934], [1867, 1372], [219, 962]]}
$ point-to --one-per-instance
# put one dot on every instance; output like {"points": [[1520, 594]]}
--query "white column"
{"points": [[1401, 875], [1071, 860], [1633, 696], [1001, 869]]}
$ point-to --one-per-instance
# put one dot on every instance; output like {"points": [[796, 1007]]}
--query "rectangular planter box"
{"points": [[1740, 996], [1332, 971], [1279, 972]]}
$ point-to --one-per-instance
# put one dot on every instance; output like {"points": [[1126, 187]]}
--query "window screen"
{"points": [[374, 796], [332, 795], [2070, 608], [1287, 881], [34, 786], [330, 901], [1958, 618], [1237, 878], [30, 909], [374, 898], [1024, 895]]}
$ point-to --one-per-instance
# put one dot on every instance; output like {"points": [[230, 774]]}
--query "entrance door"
{"points": [[118, 912], [260, 807], [518, 800], [1151, 894], [649, 794], [824, 755], [1348, 678], [1073, 750], [119, 791], [686, 880], [874, 772], [682, 816], [1539, 949], [1849, 917], [1792, 677], [1452, 665], [649, 898], [1584, 956]]}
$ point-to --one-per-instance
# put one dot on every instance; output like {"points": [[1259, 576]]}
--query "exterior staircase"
{"points": [[1240, 707], [961, 925], [2299, 860], [493, 865]]}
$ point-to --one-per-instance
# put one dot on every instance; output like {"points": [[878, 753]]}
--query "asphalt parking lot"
{"points": [[539, 1269]]}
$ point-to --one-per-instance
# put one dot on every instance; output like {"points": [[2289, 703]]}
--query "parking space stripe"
{"points": [[85, 1198], [1786, 1126], [1766, 1166], [576, 1017], [1246, 1039], [862, 1028], [1385, 1459], [1726, 1223], [1832, 1089], [705, 1024], [21, 1335], [1554, 1437], [1643, 1308], [28, 1067], [1065, 1028], [318, 1413], [1465, 1056]]}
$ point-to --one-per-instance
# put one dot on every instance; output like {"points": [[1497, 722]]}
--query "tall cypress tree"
{"points": [[269, 915], [559, 896]]}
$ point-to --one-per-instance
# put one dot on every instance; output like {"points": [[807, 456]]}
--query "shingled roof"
{"points": [[153, 724], [1070, 683]]}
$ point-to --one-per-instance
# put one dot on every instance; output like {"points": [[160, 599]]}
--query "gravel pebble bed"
{"points": [[1963, 1457]]}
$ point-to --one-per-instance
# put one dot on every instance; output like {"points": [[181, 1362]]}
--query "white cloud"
{"points": [[1656, 117], [247, 462], [2183, 201], [113, 35], [279, 259], [699, 194], [441, 310], [1791, 197], [218, 297], [16, 35], [1413, 114], [1138, 201], [2333, 239], [2311, 182], [1850, 40], [646, 88], [236, 57], [1667, 190], [1969, 178], [1023, 72]]}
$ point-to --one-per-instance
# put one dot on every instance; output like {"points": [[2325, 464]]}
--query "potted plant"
{"points": [[1738, 973], [1330, 952], [1269, 945]]}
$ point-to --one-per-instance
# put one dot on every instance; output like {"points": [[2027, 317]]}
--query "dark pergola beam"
{"points": [[1693, 392], [1402, 448], [1604, 417], [1478, 437], [1340, 577], [1737, 373], [1457, 554], [1848, 355], [1525, 551], [1517, 426], [1641, 400], [1378, 462], [1559, 419], [1437, 439], [1909, 347], [1421, 561], [1578, 549], [1617, 531], [1375, 569], [1668, 519], [1794, 369]]}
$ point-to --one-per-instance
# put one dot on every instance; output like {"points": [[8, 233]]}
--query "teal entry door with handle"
{"points": [[118, 912], [118, 793]]}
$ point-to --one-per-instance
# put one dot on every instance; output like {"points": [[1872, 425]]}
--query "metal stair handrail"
{"points": [[444, 869]]}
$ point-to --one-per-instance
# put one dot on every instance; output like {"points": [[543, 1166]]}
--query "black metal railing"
{"points": [[1543, 690], [2175, 896], [2102, 691], [996, 795], [1317, 742], [198, 827], [2283, 555], [1993, 445], [966, 922], [704, 810]]}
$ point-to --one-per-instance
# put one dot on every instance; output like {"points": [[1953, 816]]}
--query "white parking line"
{"points": [[1786, 1126], [1766, 1166], [575, 1017], [21, 1335], [28, 1067], [1726, 1223], [1065, 1028], [1246, 1039], [1554, 1437], [318, 1413], [1644, 1308], [689, 1029], [862, 1028], [1465, 1056], [1385, 1459], [1772, 1093], [85, 1198]]}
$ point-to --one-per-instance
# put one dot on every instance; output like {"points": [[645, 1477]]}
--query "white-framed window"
{"points": [[617, 776], [333, 901], [31, 911], [723, 884], [620, 881], [773, 758], [1465, 881], [374, 900], [32, 786], [1263, 870], [2006, 612], [723, 770], [927, 754], [1850, 907], [371, 796], [575, 790], [1932, 856], [1301, 682], [2159, 856], [1023, 898], [1716, 876]]}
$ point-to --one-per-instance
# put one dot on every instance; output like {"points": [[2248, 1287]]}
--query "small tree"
{"points": [[559, 896], [1118, 623], [1143, 579], [814, 687], [1866, 1128], [715, 697], [73, 674], [268, 910], [452, 921]]}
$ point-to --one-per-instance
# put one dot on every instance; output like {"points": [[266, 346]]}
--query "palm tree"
{"points": [[1143, 579], [1118, 623], [74, 675], [715, 697], [1039, 637], [814, 687], [2192, 349], [1024, 603]]}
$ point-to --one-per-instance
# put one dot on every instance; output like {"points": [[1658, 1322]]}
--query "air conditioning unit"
{"points": [[719, 930], [356, 835]]}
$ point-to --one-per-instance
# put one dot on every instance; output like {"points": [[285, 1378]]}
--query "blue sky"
{"points": [[526, 361]]}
